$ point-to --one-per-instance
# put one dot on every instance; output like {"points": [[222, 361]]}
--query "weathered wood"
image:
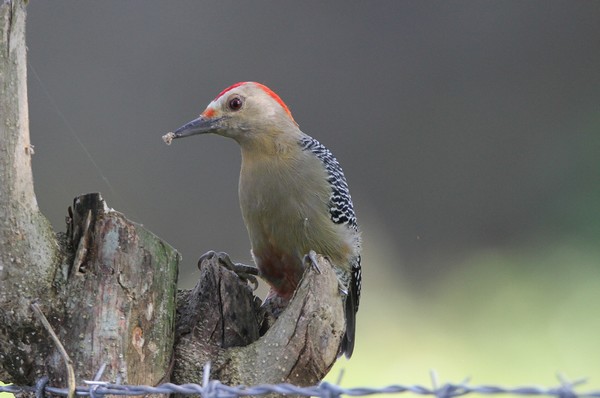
{"points": [[299, 348], [113, 303], [119, 296]]}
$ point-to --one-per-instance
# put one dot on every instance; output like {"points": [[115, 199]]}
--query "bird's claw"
{"points": [[311, 259], [342, 288], [247, 273]]}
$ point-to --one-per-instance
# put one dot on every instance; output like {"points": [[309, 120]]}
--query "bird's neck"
{"points": [[269, 144]]}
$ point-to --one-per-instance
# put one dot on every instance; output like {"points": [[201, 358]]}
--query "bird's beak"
{"points": [[202, 125]]}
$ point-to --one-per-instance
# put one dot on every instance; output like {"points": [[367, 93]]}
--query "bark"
{"points": [[28, 247], [107, 286], [119, 296], [299, 348]]}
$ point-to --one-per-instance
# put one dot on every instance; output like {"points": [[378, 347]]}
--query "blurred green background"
{"points": [[469, 132]]}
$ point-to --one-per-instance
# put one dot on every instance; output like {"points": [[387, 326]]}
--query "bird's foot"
{"points": [[311, 260], [247, 273]]}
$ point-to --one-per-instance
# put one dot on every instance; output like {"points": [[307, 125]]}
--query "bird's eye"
{"points": [[235, 103]]}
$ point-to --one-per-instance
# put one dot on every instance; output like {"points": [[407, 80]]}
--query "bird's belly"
{"points": [[282, 270], [279, 247]]}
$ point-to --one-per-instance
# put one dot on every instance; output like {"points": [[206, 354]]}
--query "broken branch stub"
{"points": [[220, 321], [119, 296]]}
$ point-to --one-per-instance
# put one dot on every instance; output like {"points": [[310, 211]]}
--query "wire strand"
{"points": [[214, 389], [72, 131]]}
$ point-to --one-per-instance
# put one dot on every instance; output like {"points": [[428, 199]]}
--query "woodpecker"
{"points": [[293, 194]]}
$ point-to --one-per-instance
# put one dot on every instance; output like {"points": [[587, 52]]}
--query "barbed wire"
{"points": [[215, 389]]}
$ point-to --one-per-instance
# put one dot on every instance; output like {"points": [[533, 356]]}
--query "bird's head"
{"points": [[248, 112]]}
